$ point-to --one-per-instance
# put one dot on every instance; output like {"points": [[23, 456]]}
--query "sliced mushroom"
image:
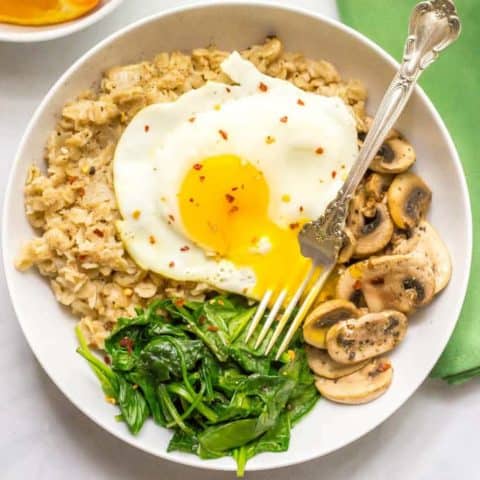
{"points": [[323, 317], [375, 233], [322, 364], [354, 340], [362, 386], [376, 185], [408, 200], [395, 156], [425, 241], [370, 224], [389, 282], [355, 219], [392, 133], [348, 247]]}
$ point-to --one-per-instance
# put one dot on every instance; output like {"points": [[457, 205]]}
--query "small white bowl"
{"points": [[22, 34], [49, 328]]}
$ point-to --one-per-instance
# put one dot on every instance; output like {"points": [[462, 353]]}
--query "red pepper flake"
{"points": [[202, 319], [71, 179], [230, 198], [202, 178], [212, 328], [300, 102], [262, 87], [300, 208], [107, 360], [319, 150], [334, 173], [191, 119], [233, 209], [191, 200], [152, 240], [223, 134], [171, 264], [179, 302], [171, 218], [127, 342], [234, 189], [284, 119], [81, 191], [98, 232], [357, 285], [198, 166], [185, 248], [146, 128], [294, 226]]}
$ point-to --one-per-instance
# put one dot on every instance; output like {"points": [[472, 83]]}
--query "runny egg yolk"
{"points": [[43, 12], [224, 205]]}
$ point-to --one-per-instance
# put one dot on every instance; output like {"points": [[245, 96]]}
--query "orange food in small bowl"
{"points": [[43, 12]]}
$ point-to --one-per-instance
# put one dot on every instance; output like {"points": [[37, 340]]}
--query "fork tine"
{"points": [[289, 309], [259, 313], [271, 316], [302, 312]]}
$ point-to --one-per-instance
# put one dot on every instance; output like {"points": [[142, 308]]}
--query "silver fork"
{"points": [[433, 26]]}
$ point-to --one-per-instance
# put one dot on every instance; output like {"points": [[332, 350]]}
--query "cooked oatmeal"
{"points": [[72, 205]]}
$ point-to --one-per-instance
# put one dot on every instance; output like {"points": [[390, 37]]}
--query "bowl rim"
{"points": [[59, 30], [190, 460]]}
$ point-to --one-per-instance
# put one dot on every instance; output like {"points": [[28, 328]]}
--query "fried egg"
{"points": [[215, 186], [43, 12]]}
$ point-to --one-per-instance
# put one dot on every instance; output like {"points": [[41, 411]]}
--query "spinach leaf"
{"points": [[183, 442], [276, 439], [241, 405], [124, 347], [107, 378], [302, 400], [132, 404], [147, 384], [188, 365], [229, 435], [209, 374], [250, 360], [161, 357], [206, 333]]}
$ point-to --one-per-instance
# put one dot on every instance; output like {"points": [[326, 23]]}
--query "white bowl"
{"points": [[49, 328], [20, 33]]}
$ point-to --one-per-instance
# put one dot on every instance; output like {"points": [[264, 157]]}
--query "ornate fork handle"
{"points": [[434, 25]]}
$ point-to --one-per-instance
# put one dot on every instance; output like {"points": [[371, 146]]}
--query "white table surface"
{"points": [[42, 436]]}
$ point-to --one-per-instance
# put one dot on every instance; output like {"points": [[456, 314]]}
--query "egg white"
{"points": [[162, 143]]}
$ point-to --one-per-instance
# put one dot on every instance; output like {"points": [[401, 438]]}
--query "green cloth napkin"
{"points": [[453, 84]]}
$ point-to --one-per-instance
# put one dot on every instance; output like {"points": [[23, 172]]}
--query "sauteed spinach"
{"points": [[187, 365]]}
